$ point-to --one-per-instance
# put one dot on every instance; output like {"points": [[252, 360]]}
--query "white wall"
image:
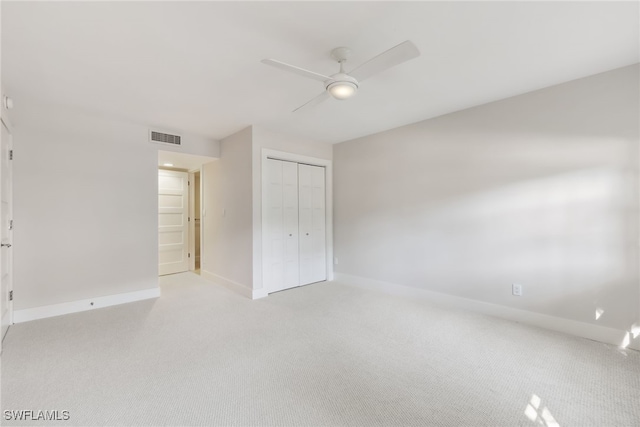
{"points": [[267, 139], [540, 189], [85, 205], [190, 144], [227, 225]]}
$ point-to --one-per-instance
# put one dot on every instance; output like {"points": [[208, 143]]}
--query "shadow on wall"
{"points": [[569, 239], [540, 189]]}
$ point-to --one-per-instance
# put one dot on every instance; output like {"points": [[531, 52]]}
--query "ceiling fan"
{"points": [[343, 85]]}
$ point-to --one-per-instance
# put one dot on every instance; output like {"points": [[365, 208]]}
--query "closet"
{"points": [[294, 226]]}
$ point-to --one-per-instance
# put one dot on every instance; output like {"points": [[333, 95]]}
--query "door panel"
{"points": [[274, 227], [312, 224], [6, 232], [305, 218], [173, 248], [281, 226], [291, 233]]}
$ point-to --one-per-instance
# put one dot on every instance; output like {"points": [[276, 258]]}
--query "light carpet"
{"points": [[321, 355]]}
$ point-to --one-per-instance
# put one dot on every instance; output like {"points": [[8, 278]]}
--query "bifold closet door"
{"points": [[311, 217], [281, 226]]}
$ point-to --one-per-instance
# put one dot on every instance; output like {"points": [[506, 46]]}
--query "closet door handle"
{"points": [[5, 245]]}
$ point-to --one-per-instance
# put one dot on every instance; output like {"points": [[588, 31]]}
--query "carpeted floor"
{"points": [[325, 354]]}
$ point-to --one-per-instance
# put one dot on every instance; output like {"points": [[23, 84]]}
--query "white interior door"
{"points": [[173, 226], [281, 226], [313, 258], [6, 228]]}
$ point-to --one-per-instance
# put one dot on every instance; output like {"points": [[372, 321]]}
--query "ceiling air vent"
{"points": [[165, 138]]}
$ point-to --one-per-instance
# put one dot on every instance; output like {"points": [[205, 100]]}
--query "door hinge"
{"points": [[10, 154], [10, 224], [10, 295], [189, 255], [188, 219]]}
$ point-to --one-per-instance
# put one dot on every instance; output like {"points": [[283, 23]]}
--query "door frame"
{"points": [[4, 121], [192, 215], [192, 220], [298, 158]]}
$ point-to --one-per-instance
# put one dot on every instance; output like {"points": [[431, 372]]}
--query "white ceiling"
{"points": [[195, 66]]}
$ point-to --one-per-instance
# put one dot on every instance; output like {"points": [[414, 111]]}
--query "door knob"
{"points": [[6, 245], [307, 234]]}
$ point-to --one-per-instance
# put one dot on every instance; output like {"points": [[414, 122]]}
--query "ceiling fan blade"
{"points": [[390, 58], [315, 101], [296, 70]]}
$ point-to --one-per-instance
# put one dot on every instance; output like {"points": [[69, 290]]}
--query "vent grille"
{"points": [[165, 138]]}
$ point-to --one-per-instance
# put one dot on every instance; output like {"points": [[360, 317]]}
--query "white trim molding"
{"points": [[28, 314], [236, 287], [617, 337]]}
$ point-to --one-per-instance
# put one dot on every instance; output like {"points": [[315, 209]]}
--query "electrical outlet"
{"points": [[516, 289]]}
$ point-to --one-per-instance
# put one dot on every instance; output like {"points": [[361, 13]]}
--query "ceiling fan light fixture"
{"points": [[343, 85], [342, 90]]}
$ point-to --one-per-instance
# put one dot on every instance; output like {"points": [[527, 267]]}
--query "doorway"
{"points": [[180, 196]]}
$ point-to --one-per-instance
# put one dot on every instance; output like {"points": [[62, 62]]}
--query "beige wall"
{"points": [[264, 138], [85, 205], [539, 189], [227, 218]]}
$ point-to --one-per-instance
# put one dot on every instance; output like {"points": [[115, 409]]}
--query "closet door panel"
{"points": [[318, 222], [305, 216], [291, 275], [274, 227], [311, 187]]}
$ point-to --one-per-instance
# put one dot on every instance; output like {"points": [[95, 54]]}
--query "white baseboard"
{"points": [[572, 327], [234, 286], [28, 314]]}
